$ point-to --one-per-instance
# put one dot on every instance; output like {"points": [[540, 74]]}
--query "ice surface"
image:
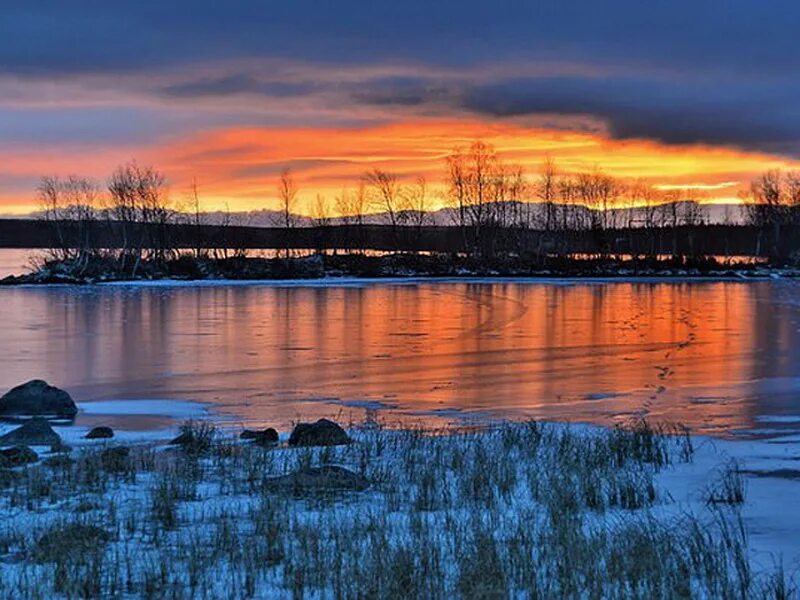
{"points": [[177, 409]]}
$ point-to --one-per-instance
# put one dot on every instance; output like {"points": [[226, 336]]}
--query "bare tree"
{"points": [[70, 207], [571, 218], [417, 203], [351, 207], [140, 207], [596, 191], [359, 207], [516, 189], [360, 203], [320, 211], [766, 206], [198, 220], [343, 206], [456, 196], [53, 206], [287, 197], [474, 180], [481, 177], [321, 217], [387, 196], [694, 213], [386, 193], [418, 206], [546, 191], [792, 194]]}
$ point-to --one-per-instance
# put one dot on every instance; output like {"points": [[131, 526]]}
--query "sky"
{"points": [[699, 94]]}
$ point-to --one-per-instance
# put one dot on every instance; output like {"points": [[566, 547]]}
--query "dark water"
{"points": [[723, 357]]}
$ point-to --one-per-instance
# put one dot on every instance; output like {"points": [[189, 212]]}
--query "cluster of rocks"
{"points": [[39, 401], [324, 479], [304, 481], [320, 433], [34, 399]]}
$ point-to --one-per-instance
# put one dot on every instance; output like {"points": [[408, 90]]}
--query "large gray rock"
{"points": [[98, 433], [36, 432], [321, 433], [318, 480], [37, 398]]}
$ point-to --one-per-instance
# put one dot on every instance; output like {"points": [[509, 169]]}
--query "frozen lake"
{"points": [[15, 261], [721, 357]]}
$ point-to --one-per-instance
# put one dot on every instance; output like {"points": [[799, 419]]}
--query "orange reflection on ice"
{"points": [[712, 355]]}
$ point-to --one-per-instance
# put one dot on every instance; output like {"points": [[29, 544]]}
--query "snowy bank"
{"points": [[520, 510]]}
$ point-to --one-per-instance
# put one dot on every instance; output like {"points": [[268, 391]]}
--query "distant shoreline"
{"points": [[400, 268]]}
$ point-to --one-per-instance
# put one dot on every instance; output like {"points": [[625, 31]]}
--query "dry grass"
{"points": [[525, 510]]}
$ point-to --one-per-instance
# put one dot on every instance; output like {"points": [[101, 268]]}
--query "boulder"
{"points": [[97, 433], [321, 433], [17, 456], [266, 437], [312, 480], [37, 398], [36, 432]]}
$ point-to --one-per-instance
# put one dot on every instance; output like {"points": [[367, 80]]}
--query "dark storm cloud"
{"points": [[676, 71], [221, 86], [753, 114], [402, 91], [735, 35], [234, 85]]}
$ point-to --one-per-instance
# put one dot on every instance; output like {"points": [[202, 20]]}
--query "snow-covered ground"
{"points": [[771, 477], [770, 467], [552, 509]]}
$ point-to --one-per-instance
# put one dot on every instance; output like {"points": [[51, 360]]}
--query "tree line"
{"points": [[491, 201]]}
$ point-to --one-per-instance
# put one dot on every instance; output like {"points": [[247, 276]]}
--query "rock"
{"points": [[318, 479], [266, 437], [37, 398], [36, 432], [116, 459], [17, 456], [100, 433], [321, 433]]}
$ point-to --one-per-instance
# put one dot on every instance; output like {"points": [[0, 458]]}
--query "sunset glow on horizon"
{"points": [[238, 168], [231, 95]]}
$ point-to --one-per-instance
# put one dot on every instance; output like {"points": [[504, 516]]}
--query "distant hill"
{"points": [[711, 214], [534, 213]]}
